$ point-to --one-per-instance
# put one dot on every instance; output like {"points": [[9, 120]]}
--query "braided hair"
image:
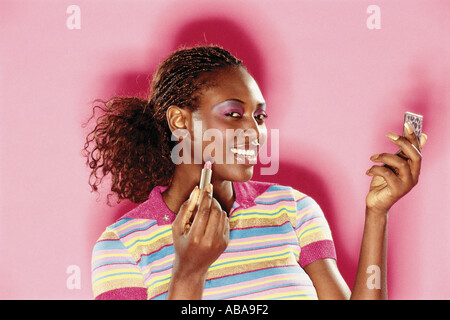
{"points": [[131, 141]]}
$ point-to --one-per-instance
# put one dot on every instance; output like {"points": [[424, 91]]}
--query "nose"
{"points": [[250, 134]]}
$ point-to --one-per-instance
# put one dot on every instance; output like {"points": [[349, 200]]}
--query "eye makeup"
{"points": [[260, 112], [228, 107]]}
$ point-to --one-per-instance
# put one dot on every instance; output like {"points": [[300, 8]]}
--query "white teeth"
{"points": [[247, 153]]}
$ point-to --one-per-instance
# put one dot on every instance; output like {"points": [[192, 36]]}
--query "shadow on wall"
{"points": [[206, 31], [231, 36]]}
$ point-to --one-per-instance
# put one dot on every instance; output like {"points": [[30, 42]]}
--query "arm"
{"points": [[198, 245], [371, 282], [386, 188], [330, 284]]}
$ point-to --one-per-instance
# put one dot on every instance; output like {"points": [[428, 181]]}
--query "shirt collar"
{"points": [[247, 192]]}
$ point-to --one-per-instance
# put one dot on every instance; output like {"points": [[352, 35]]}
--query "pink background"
{"points": [[333, 88]]}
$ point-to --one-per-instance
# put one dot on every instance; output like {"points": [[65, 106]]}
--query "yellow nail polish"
{"points": [[409, 127], [193, 192], [392, 136]]}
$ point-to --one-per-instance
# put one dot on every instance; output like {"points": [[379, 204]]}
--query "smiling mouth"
{"points": [[247, 149], [246, 154], [243, 152]]}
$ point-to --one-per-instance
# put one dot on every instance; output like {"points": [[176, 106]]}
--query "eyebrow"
{"points": [[261, 105]]}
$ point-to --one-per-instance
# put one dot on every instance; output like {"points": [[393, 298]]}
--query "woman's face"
{"points": [[230, 117]]}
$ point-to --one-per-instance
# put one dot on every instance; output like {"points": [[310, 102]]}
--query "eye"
{"points": [[261, 116], [233, 114]]}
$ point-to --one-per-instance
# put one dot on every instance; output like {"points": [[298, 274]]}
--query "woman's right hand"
{"points": [[197, 245]]}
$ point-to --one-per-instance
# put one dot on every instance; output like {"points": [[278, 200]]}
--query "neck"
{"points": [[185, 178]]}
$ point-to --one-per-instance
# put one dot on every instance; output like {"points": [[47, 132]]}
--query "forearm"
{"points": [[370, 282]]}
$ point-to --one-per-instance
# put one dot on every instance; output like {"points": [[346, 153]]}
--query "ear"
{"points": [[177, 118]]}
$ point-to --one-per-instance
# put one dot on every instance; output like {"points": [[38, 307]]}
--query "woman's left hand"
{"points": [[387, 186]]}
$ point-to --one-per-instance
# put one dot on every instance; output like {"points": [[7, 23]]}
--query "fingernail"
{"points": [[194, 198], [409, 127], [424, 136], [374, 157], [193, 192], [209, 188], [392, 136]]}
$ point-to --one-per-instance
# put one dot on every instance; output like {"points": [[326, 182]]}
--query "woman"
{"points": [[236, 239]]}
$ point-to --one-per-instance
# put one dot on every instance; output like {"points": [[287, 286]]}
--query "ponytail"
{"points": [[130, 146]]}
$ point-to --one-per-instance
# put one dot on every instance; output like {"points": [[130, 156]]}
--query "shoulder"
{"points": [[153, 209], [128, 230], [125, 240], [148, 218], [114, 235]]}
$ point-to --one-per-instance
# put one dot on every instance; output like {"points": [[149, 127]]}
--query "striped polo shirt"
{"points": [[275, 231]]}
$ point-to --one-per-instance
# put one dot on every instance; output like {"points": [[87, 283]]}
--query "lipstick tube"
{"points": [[205, 178]]}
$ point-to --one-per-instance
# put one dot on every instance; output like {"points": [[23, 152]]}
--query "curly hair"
{"points": [[132, 140]]}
